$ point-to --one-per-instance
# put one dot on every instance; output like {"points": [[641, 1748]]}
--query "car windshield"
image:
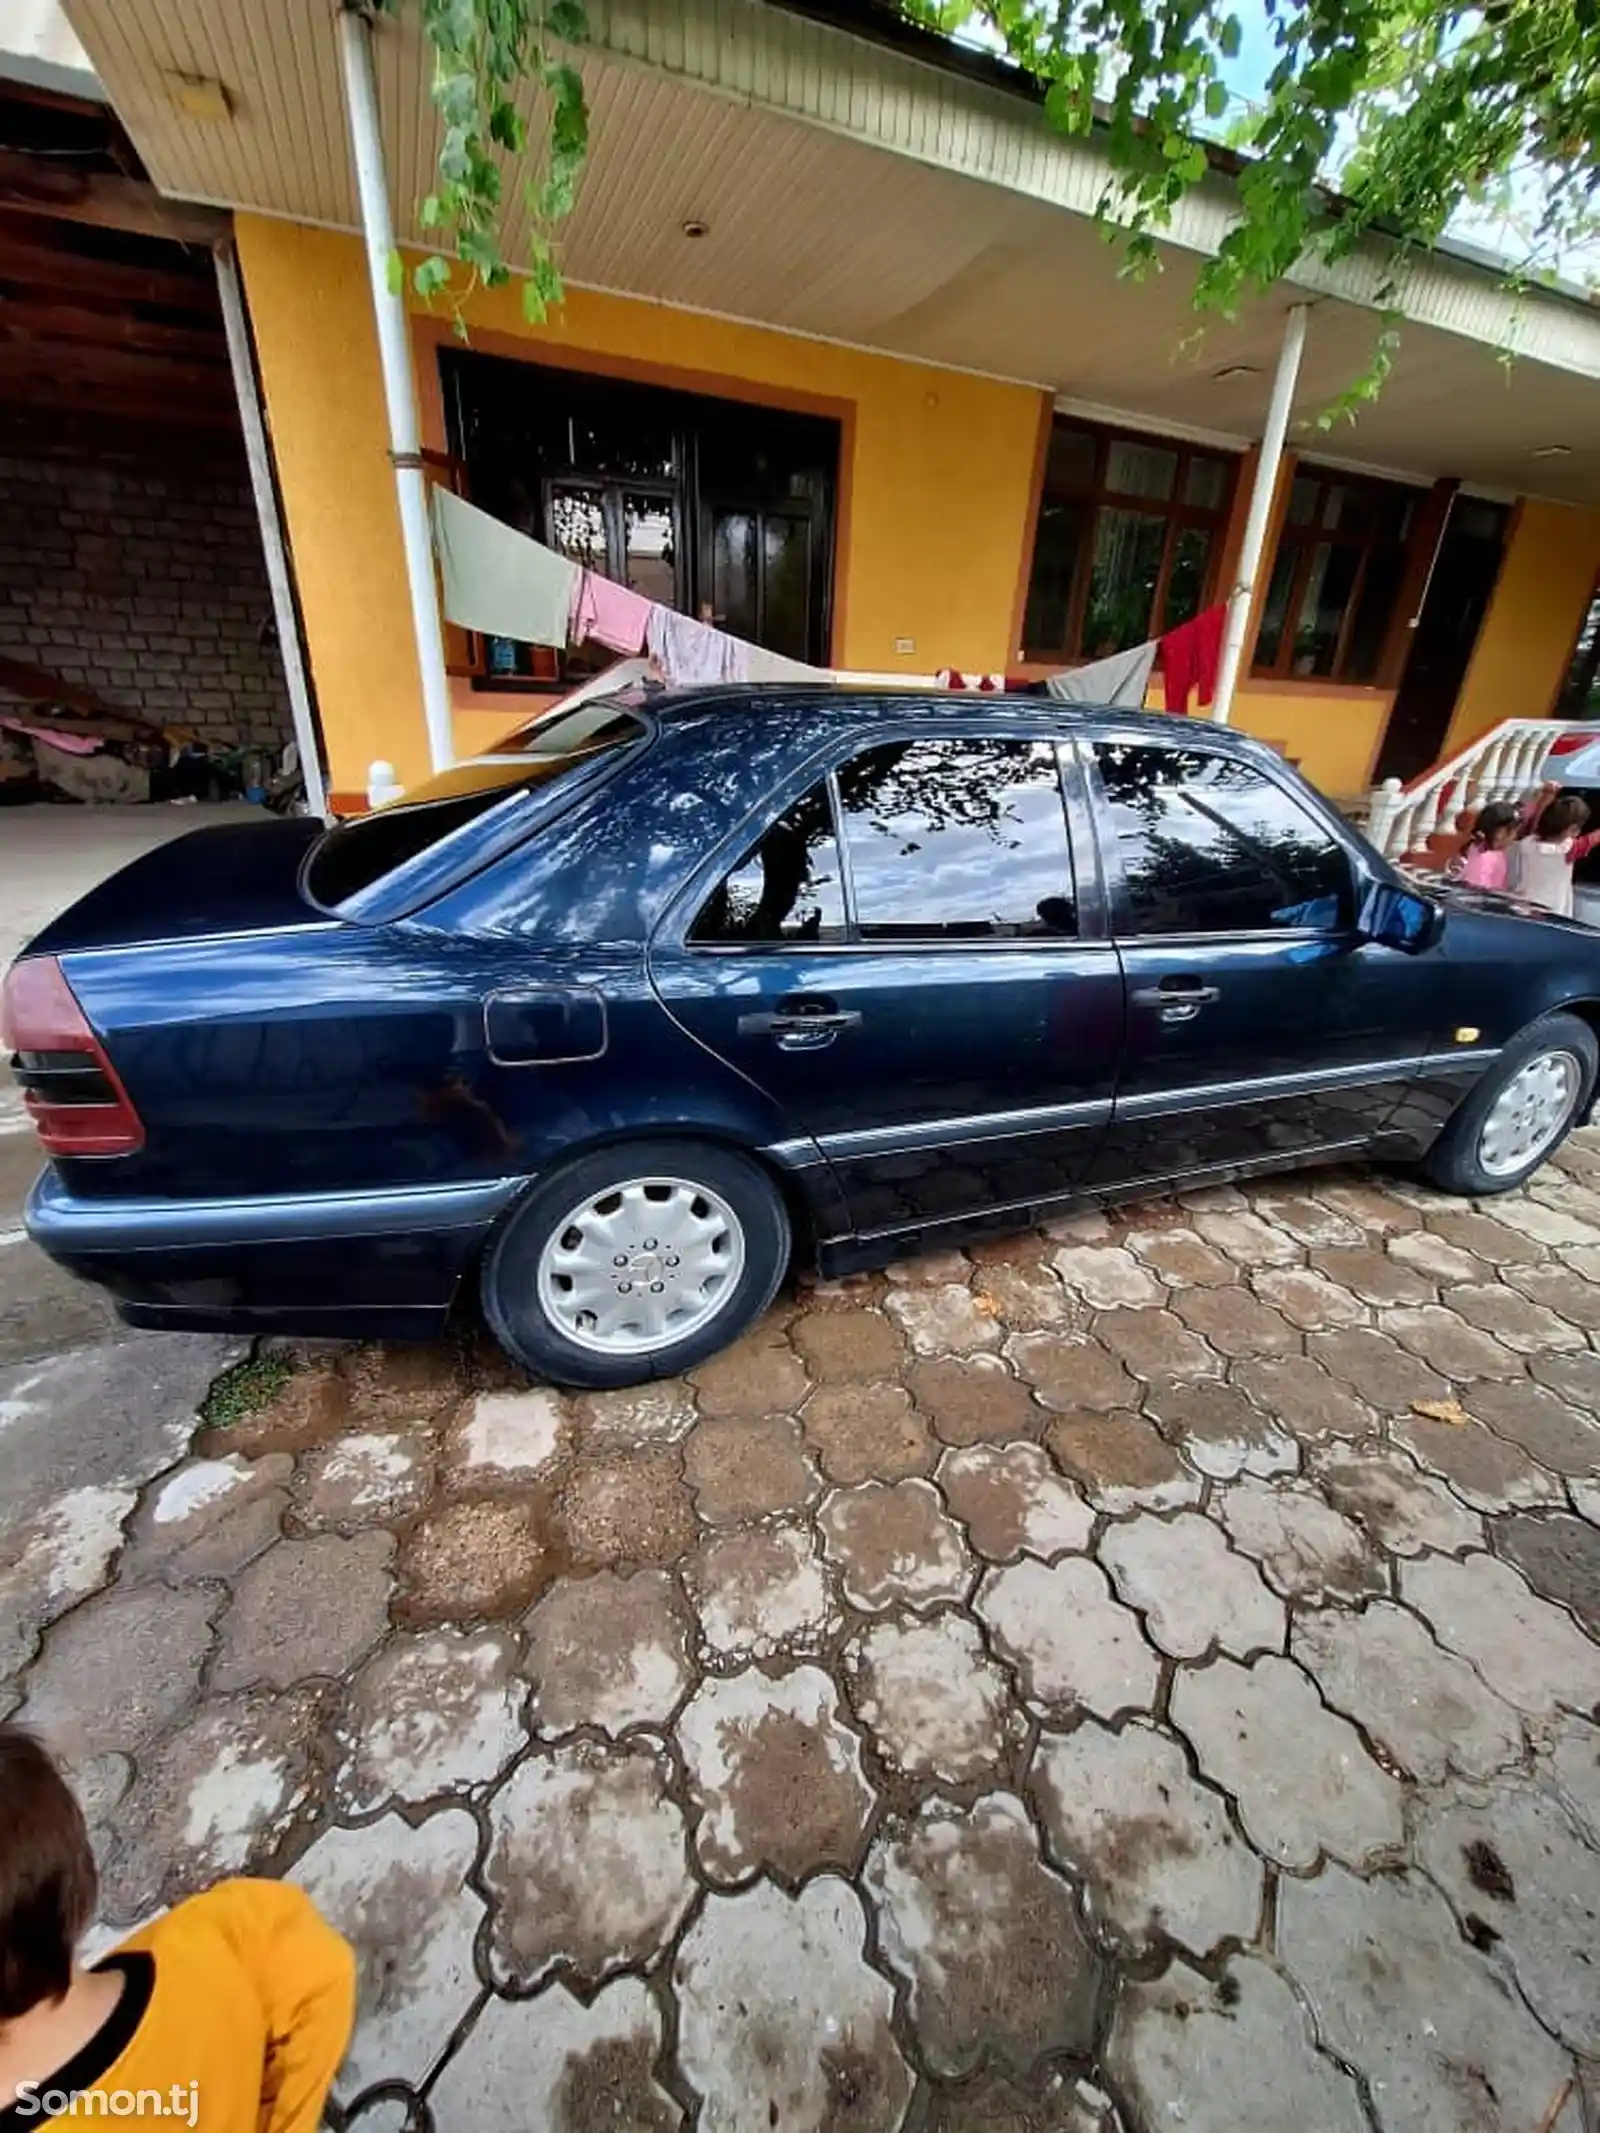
{"points": [[375, 848]]}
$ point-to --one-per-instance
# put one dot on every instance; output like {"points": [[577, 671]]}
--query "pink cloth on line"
{"points": [[605, 612], [68, 743]]}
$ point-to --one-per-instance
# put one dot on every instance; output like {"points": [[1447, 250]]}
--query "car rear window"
{"points": [[410, 837]]}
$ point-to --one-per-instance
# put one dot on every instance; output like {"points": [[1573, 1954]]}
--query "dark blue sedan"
{"points": [[605, 1030]]}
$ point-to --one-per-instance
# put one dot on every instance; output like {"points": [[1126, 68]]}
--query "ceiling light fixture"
{"points": [[1235, 370], [694, 227], [1551, 451]]}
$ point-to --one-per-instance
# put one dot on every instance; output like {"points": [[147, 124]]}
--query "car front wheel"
{"points": [[635, 1262], [1521, 1111]]}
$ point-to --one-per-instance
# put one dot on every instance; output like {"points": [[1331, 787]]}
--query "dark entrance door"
{"points": [[1464, 572]]}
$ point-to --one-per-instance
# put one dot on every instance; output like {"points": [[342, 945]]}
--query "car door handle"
{"points": [[1178, 999], [800, 1021]]}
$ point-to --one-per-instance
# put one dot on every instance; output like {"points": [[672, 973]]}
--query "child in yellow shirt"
{"points": [[230, 2014]]}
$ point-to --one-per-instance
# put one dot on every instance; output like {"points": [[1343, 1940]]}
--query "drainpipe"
{"points": [[1243, 596], [274, 549], [399, 384]]}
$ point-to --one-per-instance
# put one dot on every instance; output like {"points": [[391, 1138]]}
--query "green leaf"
{"points": [[567, 20], [394, 273], [430, 275], [1216, 99]]}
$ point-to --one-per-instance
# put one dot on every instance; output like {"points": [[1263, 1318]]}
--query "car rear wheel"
{"points": [[1521, 1111], [635, 1262]]}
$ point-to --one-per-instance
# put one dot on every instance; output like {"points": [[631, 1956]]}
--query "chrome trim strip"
{"points": [[61, 1220], [957, 1132], [1220, 1095]]}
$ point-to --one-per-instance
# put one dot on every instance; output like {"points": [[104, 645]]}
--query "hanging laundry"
{"points": [[1122, 679], [690, 653], [984, 684], [1189, 657], [604, 612], [497, 581], [762, 665]]}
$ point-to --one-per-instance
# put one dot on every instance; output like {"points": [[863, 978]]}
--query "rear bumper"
{"points": [[354, 1264]]}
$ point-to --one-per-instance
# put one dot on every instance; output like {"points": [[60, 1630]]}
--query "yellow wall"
{"points": [[1332, 734], [1527, 637], [936, 486]]}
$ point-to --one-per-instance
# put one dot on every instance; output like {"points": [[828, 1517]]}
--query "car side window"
{"points": [[786, 887], [958, 839], [1211, 845]]}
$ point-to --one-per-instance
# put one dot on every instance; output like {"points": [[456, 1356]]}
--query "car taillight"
{"points": [[70, 1089], [1570, 743]]}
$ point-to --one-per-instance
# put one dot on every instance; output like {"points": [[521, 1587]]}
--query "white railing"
{"points": [[1502, 764]]}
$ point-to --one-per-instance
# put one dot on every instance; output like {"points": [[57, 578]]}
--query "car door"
{"points": [[1260, 1024], [901, 958]]}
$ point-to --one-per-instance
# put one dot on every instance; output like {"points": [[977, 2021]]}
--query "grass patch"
{"points": [[245, 1389]]}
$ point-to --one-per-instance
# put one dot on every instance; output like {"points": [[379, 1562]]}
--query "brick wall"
{"points": [[143, 579]]}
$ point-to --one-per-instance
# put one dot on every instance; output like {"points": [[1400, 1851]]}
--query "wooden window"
{"points": [[1128, 543], [1335, 577], [1580, 690]]}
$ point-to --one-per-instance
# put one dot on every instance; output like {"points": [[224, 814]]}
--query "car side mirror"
{"points": [[1400, 918]]}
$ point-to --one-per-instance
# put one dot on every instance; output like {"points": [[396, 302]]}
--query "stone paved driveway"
{"points": [[1141, 1675]]}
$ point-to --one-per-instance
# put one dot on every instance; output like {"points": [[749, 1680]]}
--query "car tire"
{"points": [[1544, 1078], [635, 1262]]}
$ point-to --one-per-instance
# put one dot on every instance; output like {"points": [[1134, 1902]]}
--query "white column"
{"points": [[1260, 512], [258, 457], [399, 386]]}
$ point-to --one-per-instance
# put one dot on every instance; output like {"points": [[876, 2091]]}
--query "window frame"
{"points": [[673, 933], [1176, 516], [1581, 662], [1118, 901], [1305, 540]]}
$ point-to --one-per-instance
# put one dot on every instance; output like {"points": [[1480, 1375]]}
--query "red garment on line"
{"points": [[1189, 657]]}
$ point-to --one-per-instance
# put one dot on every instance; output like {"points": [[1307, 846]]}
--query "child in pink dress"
{"points": [[1487, 857]]}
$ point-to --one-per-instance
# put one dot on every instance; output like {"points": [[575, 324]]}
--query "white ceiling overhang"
{"points": [[862, 194]]}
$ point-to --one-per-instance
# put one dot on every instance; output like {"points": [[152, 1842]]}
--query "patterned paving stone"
{"points": [[1375, 1369], [977, 1401], [1156, 1344], [1572, 1771], [1013, 1502], [761, 1590], [1182, 1258], [552, 2062], [1300, 1776], [934, 1702], [1574, 1377], [1543, 1223], [1191, 1588], [608, 1651], [783, 2021], [508, 1440], [895, 1546], [1121, 1463], [1426, 1708], [58, 1557], [985, 1936], [119, 1668], [430, 1715], [775, 1774], [411, 1384], [1372, 1276], [1559, 1556], [945, 1320], [1308, 1299], [1543, 1424], [990, 2103], [1526, 1649], [1122, 1811], [867, 1433], [400, 1896], [363, 1479], [1436, 1259], [311, 1407], [1220, 1433], [1400, 1996], [1089, 1226], [305, 1608], [1483, 1469], [1511, 1859], [205, 1520], [1458, 1351], [1310, 1221], [585, 1864], [1306, 1549], [485, 1557], [1070, 1643], [839, 1345], [738, 1469], [1367, 1206], [1069, 1375], [928, 1270], [1516, 1321], [758, 1375], [1237, 1323], [1572, 1296], [1107, 1276], [213, 1798], [1246, 1239], [637, 1414], [1491, 1243], [1237, 2050], [1302, 1397], [1027, 1297], [1403, 1511]]}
